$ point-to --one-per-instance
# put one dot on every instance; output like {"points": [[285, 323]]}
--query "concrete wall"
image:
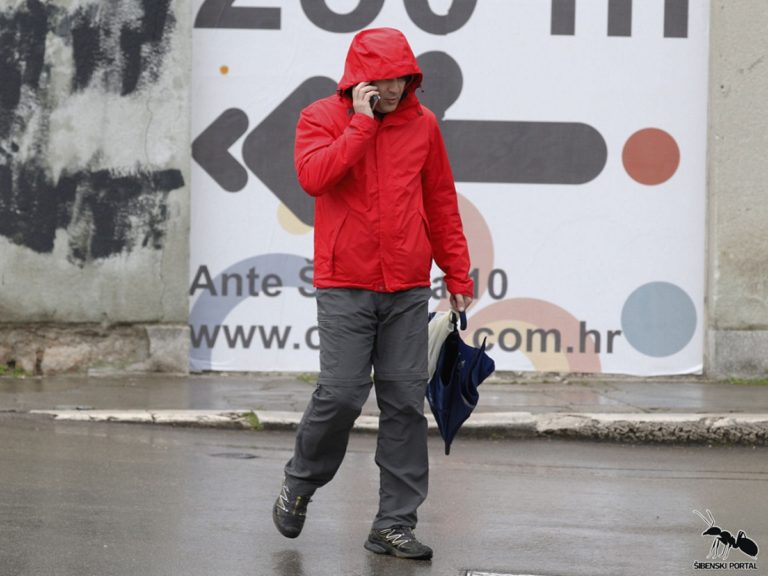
{"points": [[738, 190], [94, 183]]}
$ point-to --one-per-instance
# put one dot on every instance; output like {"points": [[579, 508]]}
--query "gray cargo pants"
{"points": [[360, 329]]}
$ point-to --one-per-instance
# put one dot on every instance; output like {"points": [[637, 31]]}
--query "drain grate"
{"points": [[486, 573], [234, 455]]}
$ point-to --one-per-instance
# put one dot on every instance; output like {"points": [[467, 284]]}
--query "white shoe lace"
{"points": [[282, 500], [397, 537]]}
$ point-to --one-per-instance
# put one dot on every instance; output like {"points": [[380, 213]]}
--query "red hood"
{"points": [[379, 54]]}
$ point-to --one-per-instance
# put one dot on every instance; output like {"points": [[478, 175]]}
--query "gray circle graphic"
{"points": [[659, 319], [211, 310]]}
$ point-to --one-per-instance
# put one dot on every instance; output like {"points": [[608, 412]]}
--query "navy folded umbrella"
{"points": [[452, 391]]}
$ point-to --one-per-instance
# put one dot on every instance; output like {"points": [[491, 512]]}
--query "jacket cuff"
{"points": [[363, 121], [464, 287]]}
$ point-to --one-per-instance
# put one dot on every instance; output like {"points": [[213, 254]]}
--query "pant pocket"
{"points": [[330, 347]]}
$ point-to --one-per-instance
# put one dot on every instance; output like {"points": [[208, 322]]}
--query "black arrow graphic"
{"points": [[480, 150], [268, 150], [524, 152], [210, 150], [508, 152]]}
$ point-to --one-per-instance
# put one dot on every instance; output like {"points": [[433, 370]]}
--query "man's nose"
{"points": [[390, 87]]}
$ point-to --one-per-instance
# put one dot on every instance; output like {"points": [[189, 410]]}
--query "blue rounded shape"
{"points": [[659, 319]]}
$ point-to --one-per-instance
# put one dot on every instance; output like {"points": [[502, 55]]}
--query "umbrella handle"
{"points": [[461, 321]]}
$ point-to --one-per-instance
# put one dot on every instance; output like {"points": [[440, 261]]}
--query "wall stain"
{"points": [[118, 47], [105, 213], [22, 53], [86, 48], [123, 49]]}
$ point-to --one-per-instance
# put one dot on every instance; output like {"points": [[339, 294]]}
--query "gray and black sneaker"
{"points": [[397, 541], [289, 512]]}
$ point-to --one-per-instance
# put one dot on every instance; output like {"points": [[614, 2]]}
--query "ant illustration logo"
{"points": [[724, 540]]}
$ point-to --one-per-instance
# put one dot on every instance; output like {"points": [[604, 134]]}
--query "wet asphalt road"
{"points": [[121, 499]]}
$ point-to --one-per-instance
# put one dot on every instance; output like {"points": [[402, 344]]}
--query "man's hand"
{"points": [[460, 302], [361, 96]]}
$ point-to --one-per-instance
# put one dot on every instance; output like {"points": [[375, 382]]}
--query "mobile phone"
{"points": [[374, 99]]}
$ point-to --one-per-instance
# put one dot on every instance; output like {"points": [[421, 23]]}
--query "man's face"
{"points": [[390, 90]]}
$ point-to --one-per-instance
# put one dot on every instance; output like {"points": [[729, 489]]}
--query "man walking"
{"points": [[374, 159]]}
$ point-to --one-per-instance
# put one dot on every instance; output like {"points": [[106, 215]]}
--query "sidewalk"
{"points": [[630, 410]]}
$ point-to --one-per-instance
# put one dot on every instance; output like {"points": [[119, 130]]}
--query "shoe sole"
{"points": [[391, 551]]}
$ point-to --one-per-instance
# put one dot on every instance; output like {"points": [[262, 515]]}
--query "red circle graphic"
{"points": [[651, 156]]}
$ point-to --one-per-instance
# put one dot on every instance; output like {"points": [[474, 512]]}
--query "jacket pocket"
{"points": [[332, 244], [425, 222], [425, 244], [356, 258], [414, 253]]}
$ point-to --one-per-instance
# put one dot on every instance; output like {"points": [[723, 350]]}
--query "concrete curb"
{"points": [[197, 418], [726, 428]]}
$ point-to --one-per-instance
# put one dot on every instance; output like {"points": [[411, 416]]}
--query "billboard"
{"points": [[577, 137]]}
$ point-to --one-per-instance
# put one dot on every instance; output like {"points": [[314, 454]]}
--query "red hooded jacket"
{"points": [[385, 197]]}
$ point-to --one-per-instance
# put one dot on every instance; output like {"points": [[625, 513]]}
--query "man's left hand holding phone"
{"points": [[364, 98]]}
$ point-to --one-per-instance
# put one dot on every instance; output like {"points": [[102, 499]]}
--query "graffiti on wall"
{"points": [[65, 70]]}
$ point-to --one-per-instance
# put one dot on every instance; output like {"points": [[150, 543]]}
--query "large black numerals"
{"points": [[323, 17], [221, 14], [458, 14]]}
